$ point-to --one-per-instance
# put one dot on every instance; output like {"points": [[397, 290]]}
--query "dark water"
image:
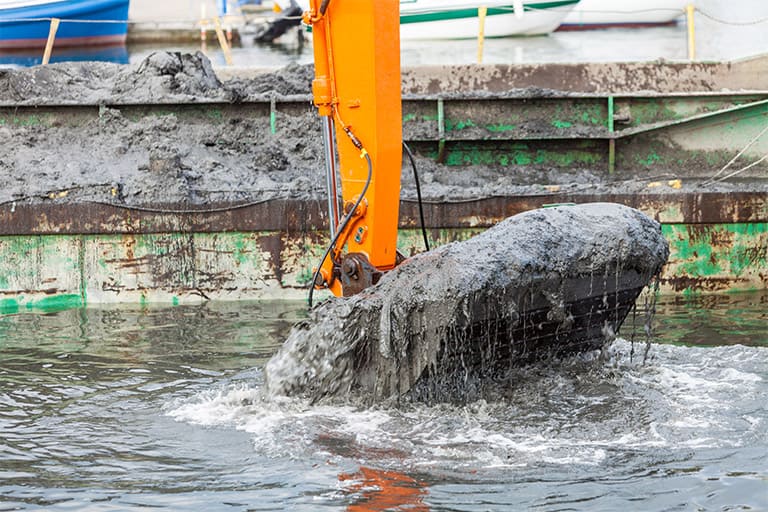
{"points": [[129, 408]]}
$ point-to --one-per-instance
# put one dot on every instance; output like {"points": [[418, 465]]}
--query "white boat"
{"points": [[591, 14], [458, 19]]}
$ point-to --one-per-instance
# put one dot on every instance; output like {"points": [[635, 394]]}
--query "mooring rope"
{"points": [[714, 179]]}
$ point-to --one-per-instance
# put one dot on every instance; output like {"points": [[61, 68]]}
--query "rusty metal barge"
{"points": [[146, 212]]}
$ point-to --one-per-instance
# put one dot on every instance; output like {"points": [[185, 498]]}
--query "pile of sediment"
{"points": [[162, 77], [168, 160], [150, 159], [541, 284], [153, 159]]}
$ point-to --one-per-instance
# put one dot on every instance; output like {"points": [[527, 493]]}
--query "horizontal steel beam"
{"points": [[66, 217]]}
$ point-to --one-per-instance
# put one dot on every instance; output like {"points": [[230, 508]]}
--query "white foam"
{"points": [[217, 407], [684, 397]]}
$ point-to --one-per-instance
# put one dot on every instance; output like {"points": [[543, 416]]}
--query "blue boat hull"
{"points": [[83, 22]]}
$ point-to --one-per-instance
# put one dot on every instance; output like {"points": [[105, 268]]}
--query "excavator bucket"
{"points": [[541, 284]]}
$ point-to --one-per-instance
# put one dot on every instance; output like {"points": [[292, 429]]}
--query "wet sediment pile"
{"points": [[133, 157], [136, 156], [541, 284], [151, 157], [162, 77]]}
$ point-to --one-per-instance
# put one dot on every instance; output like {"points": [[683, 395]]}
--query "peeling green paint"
{"points": [[699, 257], [9, 306], [718, 257], [31, 120], [650, 159], [452, 125], [591, 118], [645, 111], [304, 276], [458, 155], [52, 272], [57, 302]]}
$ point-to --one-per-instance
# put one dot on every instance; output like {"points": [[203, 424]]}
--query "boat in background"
{"points": [[26, 23], [596, 14], [458, 19], [449, 19]]}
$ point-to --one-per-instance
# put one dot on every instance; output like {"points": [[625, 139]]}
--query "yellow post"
{"points": [[481, 13], [691, 32], [223, 41], [203, 24], [51, 38]]}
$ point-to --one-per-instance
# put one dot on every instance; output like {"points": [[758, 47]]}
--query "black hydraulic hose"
{"points": [[418, 194], [342, 226], [324, 7]]}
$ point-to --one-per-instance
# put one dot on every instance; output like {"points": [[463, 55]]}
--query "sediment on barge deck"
{"points": [[163, 182]]}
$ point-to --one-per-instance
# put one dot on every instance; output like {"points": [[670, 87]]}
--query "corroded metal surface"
{"points": [[612, 77], [302, 216], [717, 257], [715, 246], [596, 77]]}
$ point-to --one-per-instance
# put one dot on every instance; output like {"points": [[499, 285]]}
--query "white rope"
{"points": [[726, 166], [734, 173]]}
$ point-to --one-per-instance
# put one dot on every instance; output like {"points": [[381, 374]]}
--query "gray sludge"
{"points": [[541, 284]]}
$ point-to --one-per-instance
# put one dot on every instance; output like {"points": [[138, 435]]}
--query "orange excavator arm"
{"points": [[357, 93]]}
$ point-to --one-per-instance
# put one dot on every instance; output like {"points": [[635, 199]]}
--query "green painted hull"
{"points": [[45, 272]]}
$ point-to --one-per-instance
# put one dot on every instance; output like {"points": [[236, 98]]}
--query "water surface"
{"points": [[127, 408]]}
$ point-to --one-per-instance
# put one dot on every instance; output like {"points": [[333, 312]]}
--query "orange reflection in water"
{"points": [[385, 490]]}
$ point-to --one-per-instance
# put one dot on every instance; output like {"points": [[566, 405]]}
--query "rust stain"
{"points": [[708, 284], [295, 215], [273, 245]]}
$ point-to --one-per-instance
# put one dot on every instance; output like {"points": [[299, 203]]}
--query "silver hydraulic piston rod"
{"points": [[331, 183]]}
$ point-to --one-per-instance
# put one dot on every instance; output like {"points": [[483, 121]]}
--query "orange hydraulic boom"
{"points": [[357, 93]]}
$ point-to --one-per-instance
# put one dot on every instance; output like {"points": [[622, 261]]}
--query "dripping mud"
{"points": [[542, 284]]}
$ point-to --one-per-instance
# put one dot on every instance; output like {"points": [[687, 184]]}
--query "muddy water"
{"points": [[120, 409]]}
